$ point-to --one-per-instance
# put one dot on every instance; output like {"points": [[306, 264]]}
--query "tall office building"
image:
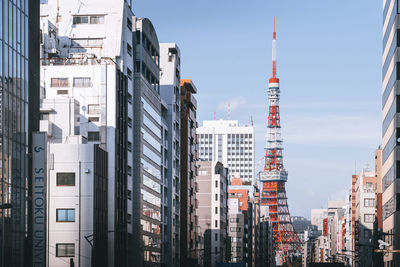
{"points": [[190, 240], [147, 137], [19, 99], [390, 126], [171, 93], [231, 144]]}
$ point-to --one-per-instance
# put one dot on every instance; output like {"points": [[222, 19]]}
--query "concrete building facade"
{"points": [[108, 60], [77, 189], [190, 233], [235, 231], [170, 93], [231, 144], [390, 126], [213, 210]]}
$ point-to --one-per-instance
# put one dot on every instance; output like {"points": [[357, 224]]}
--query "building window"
{"points": [[94, 109], [82, 82], [369, 202], [129, 122], [129, 23], [96, 19], [65, 215], [216, 237], [93, 136], [62, 92], [216, 183], [80, 20], [129, 170], [65, 250], [59, 82], [216, 197], [235, 229], [216, 210], [216, 223], [369, 218], [234, 220], [129, 98], [129, 73], [94, 119], [65, 179], [129, 146], [129, 218], [129, 194], [129, 49]]}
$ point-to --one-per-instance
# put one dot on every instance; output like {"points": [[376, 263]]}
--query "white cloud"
{"points": [[235, 103]]}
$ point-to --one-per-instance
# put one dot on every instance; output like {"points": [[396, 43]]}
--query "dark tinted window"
{"points": [[66, 179]]}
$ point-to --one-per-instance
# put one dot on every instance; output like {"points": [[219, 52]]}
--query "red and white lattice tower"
{"points": [[274, 176]]}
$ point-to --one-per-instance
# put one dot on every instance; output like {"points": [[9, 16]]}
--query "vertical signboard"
{"points": [[325, 227], [39, 169]]}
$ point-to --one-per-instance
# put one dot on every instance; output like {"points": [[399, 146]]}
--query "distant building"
{"points": [[231, 144], [317, 217], [237, 190], [236, 229], [213, 210], [365, 187]]}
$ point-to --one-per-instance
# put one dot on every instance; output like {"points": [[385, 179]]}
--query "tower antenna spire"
{"points": [[274, 52]]}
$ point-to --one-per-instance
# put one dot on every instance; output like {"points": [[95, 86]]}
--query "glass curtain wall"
{"points": [[13, 129]]}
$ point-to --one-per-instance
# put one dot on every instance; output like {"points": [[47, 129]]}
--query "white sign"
{"points": [[39, 169]]}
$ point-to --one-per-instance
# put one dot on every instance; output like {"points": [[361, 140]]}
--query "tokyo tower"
{"points": [[274, 177]]}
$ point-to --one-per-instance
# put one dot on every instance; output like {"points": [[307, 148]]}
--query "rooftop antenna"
{"points": [[252, 124], [229, 111], [214, 115]]}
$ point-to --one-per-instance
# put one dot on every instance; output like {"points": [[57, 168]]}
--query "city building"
{"points": [[237, 190], [146, 168], [190, 233], [390, 99], [235, 231], [19, 115], [171, 93], [364, 217], [114, 76], [212, 195], [77, 208], [233, 145], [317, 217]]}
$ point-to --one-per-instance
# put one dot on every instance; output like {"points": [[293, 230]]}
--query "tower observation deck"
{"points": [[274, 177]]}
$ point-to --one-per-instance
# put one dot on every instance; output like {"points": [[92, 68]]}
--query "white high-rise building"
{"points": [[108, 60], [233, 145]]}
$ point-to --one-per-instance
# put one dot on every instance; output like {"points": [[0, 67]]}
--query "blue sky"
{"points": [[329, 65]]}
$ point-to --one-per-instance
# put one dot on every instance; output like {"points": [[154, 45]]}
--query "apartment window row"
{"points": [[235, 229], [77, 82], [233, 136], [93, 19]]}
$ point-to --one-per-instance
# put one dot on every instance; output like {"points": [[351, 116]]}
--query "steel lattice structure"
{"points": [[274, 176]]}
